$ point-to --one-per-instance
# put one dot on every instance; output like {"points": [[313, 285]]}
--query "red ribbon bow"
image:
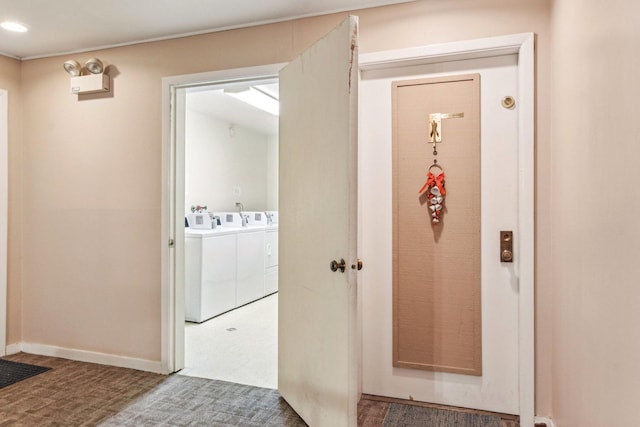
{"points": [[434, 180]]}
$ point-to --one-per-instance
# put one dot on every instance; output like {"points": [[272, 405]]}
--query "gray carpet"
{"points": [[418, 416], [190, 401]]}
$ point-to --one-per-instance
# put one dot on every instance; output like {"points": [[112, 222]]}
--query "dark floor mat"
{"points": [[418, 416], [12, 372]]}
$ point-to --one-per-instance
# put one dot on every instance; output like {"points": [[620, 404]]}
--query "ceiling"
{"points": [[64, 26], [213, 102]]}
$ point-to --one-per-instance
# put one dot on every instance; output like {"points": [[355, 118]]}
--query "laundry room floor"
{"points": [[240, 346]]}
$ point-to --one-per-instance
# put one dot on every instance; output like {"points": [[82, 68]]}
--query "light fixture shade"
{"points": [[72, 67], [94, 66]]}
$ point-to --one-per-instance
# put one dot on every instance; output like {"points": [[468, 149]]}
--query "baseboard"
{"points": [[13, 348], [544, 421], [91, 357]]}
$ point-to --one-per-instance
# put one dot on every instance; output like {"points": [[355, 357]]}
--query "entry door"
{"points": [[497, 386], [317, 343]]}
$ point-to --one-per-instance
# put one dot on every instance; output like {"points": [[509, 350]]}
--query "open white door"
{"points": [[317, 365]]}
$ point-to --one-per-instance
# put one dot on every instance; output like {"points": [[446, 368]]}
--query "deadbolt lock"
{"points": [[506, 246]]}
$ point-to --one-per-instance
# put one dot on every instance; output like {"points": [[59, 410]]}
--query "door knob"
{"points": [[357, 265], [335, 265]]}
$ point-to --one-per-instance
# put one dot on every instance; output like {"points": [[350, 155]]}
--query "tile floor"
{"points": [[240, 346]]}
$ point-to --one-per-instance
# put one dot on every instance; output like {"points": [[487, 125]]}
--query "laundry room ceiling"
{"points": [[64, 26]]}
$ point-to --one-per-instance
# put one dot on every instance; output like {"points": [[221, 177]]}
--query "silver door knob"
{"points": [[335, 265]]}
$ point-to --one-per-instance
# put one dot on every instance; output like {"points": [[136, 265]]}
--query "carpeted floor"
{"points": [[417, 416], [86, 394], [378, 411]]}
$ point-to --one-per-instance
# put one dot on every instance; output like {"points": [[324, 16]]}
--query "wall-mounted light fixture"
{"points": [[94, 80]]}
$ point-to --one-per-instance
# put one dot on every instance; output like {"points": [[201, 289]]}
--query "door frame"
{"points": [[519, 44], [172, 295], [522, 45], [4, 213]]}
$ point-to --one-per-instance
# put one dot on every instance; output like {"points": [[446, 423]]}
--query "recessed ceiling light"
{"points": [[256, 98], [14, 26]]}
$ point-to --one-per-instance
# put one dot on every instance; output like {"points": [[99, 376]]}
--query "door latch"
{"points": [[506, 246]]}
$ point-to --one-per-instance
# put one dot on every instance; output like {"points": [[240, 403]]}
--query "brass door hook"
{"points": [[435, 126]]}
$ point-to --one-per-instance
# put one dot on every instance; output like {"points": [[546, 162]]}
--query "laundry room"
{"points": [[230, 134]]}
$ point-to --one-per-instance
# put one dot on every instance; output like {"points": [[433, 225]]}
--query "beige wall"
{"points": [[10, 81], [91, 169], [596, 213]]}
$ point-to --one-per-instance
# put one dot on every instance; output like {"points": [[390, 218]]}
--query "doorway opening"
{"points": [[227, 136]]}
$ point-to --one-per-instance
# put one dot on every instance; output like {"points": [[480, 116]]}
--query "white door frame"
{"points": [[172, 167], [520, 44], [4, 212], [523, 46]]}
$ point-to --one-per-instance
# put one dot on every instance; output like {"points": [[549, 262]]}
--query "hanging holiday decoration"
{"points": [[435, 183], [434, 186]]}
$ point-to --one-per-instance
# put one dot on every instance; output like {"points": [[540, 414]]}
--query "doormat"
{"points": [[400, 415], [12, 372]]}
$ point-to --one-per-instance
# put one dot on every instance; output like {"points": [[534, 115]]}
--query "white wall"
{"points": [[272, 172], [224, 167]]}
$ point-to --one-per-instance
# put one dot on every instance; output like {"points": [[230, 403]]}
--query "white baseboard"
{"points": [[547, 421], [87, 356], [13, 348]]}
